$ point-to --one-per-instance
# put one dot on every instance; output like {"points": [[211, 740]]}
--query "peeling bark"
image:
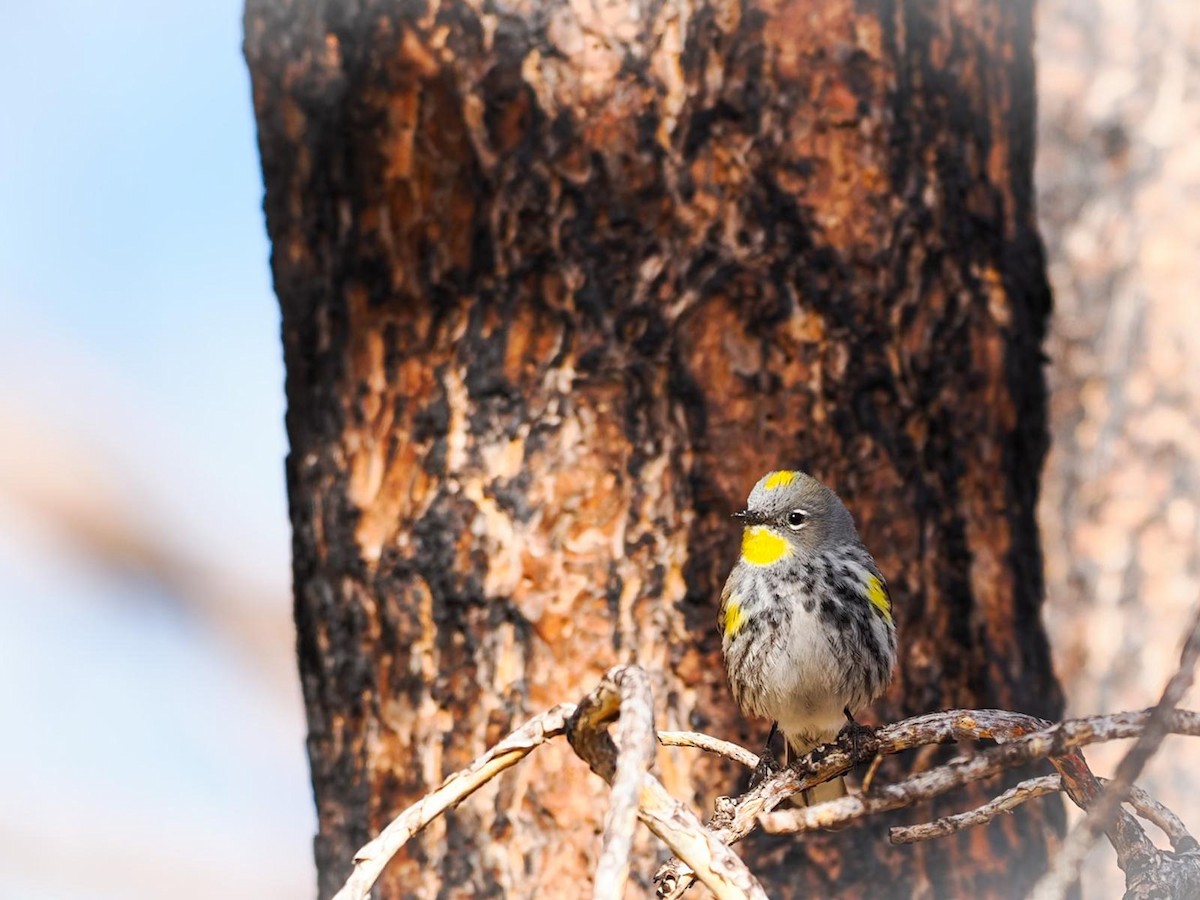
{"points": [[559, 282]]}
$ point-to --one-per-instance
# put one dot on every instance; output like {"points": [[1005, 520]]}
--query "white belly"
{"points": [[808, 698]]}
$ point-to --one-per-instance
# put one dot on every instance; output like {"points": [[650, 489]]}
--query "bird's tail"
{"points": [[819, 793]]}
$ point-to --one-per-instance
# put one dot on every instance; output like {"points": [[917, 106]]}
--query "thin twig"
{"points": [[1145, 805], [704, 853], [1064, 870], [1169, 823], [923, 786], [369, 862], [623, 694], [1006, 802], [966, 769], [937, 728], [716, 865], [714, 862], [872, 770], [727, 749]]}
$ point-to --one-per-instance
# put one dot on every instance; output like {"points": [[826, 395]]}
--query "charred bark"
{"points": [[558, 283]]}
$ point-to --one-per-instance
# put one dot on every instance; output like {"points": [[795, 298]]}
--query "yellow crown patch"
{"points": [[779, 479]]}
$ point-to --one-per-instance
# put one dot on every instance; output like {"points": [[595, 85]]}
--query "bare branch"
{"points": [[369, 862], [624, 758], [872, 770], [713, 862], [1006, 802], [623, 695], [937, 728], [967, 769], [1169, 823], [710, 744], [1145, 805], [1064, 870]]}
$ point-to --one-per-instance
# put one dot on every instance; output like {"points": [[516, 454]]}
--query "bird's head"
{"points": [[791, 512]]}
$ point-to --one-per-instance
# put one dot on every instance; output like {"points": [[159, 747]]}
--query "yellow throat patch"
{"points": [[761, 546], [879, 598]]}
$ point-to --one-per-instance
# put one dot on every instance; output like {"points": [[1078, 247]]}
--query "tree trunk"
{"points": [[559, 282]]}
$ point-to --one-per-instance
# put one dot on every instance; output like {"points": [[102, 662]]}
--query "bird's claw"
{"points": [[857, 739], [767, 766], [768, 763]]}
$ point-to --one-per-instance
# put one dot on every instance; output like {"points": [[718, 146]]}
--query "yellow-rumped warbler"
{"points": [[806, 619]]}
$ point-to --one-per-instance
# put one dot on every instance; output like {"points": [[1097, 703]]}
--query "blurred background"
{"points": [[1118, 180], [152, 718]]}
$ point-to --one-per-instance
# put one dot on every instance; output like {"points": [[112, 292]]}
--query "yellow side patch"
{"points": [[878, 595], [779, 479], [761, 546], [732, 623]]}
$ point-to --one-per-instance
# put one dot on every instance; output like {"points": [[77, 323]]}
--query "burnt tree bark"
{"points": [[558, 282]]}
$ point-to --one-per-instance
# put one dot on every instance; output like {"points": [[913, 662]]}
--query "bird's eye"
{"points": [[796, 519]]}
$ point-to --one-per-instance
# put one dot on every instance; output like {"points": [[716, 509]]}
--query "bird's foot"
{"points": [[768, 763], [857, 740], [767, 766]]}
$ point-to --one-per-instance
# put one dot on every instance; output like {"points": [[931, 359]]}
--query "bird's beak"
{"points": [[749, 517]]}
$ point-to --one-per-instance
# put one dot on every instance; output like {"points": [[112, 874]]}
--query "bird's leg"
{"points": [[855, 738], [768, 765]]}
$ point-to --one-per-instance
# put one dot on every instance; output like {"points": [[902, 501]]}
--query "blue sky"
{"points": [[140, 348], [130, 217]]}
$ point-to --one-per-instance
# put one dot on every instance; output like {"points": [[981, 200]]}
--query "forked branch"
{"points": [[624, 758], [370, 861], [1027, 739], [1064, 869]]}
